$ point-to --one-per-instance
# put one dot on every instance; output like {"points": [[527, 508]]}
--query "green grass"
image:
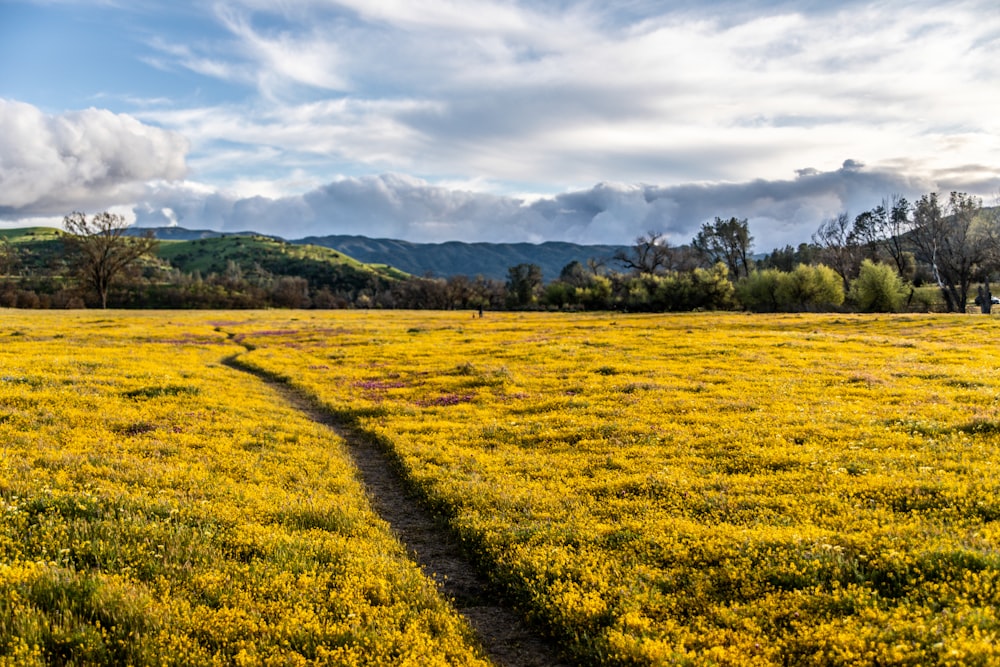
{"points": [[213, 255], [31, 234]]}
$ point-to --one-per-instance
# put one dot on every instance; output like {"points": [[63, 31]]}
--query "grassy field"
{"points": [[703, 489]]}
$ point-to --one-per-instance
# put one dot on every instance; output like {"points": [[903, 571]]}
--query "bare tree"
{"points": [[650, 254], [839, 247], [104, 250], [954, 240], [596, 265]]}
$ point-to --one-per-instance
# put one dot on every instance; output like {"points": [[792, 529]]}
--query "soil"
{"points": [[505, 637]]}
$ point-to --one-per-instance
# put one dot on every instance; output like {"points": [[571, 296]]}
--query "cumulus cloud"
{"points": [[52, 164], [388, 205], [395, 206], [779, 211], [726, 108]]}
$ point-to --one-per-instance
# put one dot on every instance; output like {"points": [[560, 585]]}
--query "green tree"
{"points": [[8, 257], [104, 251], [575, 274], [787, 258], [559, 294], [877, 289], [882, 232], [524, 282], [728, 241], [713, 289]]}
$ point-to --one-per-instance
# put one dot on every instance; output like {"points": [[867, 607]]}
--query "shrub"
{"points": [[809, 288], [877, 289], [759, 291]]}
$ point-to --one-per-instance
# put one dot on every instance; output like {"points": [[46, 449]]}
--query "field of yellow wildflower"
{"points": [[705, 489], [158, 507], [702, 489]]}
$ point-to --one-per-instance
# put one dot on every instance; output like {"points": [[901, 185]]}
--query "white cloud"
{"points": [[182, 55], [559, 95], [52, 164], [303, 58], [341, 131], [545, 97]]}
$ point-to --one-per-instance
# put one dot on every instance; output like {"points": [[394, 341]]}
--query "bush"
{"points": [[712, 289], [808, 288], [759, 291], [877, 289], [678, 291], [811, 288]]}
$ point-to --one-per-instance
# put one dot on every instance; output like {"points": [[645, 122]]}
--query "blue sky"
{"points": [[435, 120]]}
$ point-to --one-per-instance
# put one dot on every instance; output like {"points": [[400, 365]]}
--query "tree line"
{"points": [[926, 255]]}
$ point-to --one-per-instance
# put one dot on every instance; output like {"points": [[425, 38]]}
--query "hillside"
{"points": [[491, 260], [209, 270], [30, 234], [215, 254], [39, 250]]}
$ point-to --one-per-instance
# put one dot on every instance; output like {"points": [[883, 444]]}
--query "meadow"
{"points": [[696, 489], [158, 507]]}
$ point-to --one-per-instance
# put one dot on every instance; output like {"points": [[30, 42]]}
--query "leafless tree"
{"points": [[955, 240], [650, 254], [104, 251], [839, 247], [596, 265]]}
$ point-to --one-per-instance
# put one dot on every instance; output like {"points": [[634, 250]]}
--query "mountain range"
{"points": [[490, 260]]}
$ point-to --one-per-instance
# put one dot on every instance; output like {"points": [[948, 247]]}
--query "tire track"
{"points": [[507, 640]]}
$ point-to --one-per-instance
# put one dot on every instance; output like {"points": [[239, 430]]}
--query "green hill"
{"points": [[228, 270], [31, 234], [253, 253], [39, 251], [490, 260]]}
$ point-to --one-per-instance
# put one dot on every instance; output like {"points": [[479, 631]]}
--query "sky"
{"points": [[488, 120]]}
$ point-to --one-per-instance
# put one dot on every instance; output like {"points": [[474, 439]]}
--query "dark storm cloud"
{"points": [[779, 211]]}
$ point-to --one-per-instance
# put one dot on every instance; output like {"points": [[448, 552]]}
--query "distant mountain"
{"points": [[491, 260], [182, 234]]}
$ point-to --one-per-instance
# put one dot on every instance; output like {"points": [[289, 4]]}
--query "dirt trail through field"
{"points": [[506, 639]]}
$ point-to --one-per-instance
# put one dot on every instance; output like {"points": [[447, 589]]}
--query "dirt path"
{"points": [[507, 640]]}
